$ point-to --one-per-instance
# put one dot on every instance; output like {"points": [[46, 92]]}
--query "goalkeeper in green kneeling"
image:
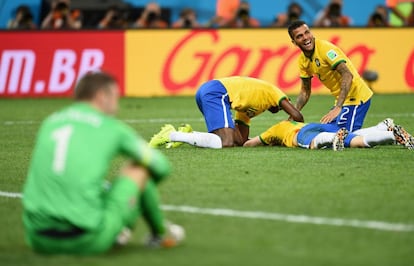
{"points": [[66, 207]]}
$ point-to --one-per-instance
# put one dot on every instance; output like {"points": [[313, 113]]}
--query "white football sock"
{"points": [[379, 138], [371, 130], [199, 139], [323, 140]]}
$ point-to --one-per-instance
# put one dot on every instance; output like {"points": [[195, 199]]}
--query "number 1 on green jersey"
{"points": [[61, 136]]}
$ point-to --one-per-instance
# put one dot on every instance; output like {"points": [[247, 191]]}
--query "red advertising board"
{"points": [[175, 62], [39, 64]]}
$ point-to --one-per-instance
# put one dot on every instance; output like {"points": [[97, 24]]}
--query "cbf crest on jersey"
{"points": [[318, 64], [331, 54]]}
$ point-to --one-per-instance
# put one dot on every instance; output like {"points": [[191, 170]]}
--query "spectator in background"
{"points": [[225, 10], [379, 18], [410, 19], [242, 18], [294, 12], [332, 16], [113, 19], [401, 12], [23, 19], [62, 17], [187, 19], [151, 17]]}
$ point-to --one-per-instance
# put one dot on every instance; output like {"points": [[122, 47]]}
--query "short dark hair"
{"points": [[24, 9], [294, 5], [91, 83], [294, 25]]}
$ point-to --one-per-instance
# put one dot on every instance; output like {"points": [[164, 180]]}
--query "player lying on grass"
{"points": [[248, 97], [319, 136], [65, 206], [285, 133]]}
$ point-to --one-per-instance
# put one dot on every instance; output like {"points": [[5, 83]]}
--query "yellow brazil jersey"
{"points": [[323, 63], [282, 134], [250, 97]]}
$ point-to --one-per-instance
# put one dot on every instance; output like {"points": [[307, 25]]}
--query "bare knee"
{"points": [[227, 137], [136, 173], [227, 143]]}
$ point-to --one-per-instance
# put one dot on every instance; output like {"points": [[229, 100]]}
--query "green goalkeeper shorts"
{"points": [[121, 210]]}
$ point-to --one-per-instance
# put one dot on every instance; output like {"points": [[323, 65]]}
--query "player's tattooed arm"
{"points": [[346, 81], [304, 93]]}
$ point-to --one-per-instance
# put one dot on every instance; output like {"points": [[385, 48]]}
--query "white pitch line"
{"points": [[377, 225], [180, 120], [127, 120], [10, 194], [289, 218]]}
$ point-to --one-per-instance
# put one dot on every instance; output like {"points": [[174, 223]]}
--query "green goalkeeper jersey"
{"points": [[71, 159]]}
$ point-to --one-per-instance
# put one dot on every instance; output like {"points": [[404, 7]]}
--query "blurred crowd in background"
{"points": [[61, 14]]}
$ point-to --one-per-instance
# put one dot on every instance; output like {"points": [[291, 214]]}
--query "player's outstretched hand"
{"points": [[331, 115]]}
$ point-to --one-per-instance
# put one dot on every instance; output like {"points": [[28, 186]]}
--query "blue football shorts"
{"points": [[310, 131], [213, 101], [352, 116]]}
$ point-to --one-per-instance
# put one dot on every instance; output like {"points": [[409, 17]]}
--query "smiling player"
{"points": [[336, 72]]}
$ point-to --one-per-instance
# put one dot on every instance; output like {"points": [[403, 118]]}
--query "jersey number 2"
{"points": [[61, 136]]}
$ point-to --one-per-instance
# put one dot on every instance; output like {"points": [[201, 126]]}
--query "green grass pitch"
{"points": [[279, 206]]}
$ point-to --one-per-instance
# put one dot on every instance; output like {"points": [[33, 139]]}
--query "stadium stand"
{"points": [[263, 10]]}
